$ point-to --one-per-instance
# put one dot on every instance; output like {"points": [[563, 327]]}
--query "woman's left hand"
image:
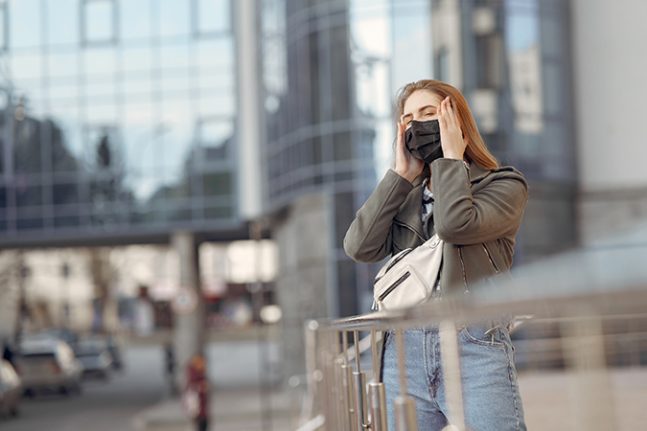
{"points": [[451, 135]]}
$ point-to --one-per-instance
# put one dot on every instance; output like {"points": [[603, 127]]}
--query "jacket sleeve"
{"points": [[368, 238], [461, 217]]}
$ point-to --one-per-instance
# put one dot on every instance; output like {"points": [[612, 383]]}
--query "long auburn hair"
{"points": [[476, 150]]}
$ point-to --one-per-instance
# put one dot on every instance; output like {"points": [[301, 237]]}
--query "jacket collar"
{"points": [[477, 172], [410, 210]]}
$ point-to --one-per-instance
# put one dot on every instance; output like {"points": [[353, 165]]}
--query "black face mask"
{"points": [[422, 139]]}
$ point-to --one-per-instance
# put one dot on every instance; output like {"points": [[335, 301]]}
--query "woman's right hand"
{"points": [[406, 165]]}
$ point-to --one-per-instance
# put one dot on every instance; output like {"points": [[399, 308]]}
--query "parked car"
{"points": [[10, 389], [94, 356], [48, 364]]}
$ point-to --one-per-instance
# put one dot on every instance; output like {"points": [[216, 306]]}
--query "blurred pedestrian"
{"points": [[196, 392], [7, 352]]}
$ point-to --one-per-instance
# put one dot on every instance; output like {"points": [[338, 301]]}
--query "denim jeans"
{"points": [[491, 400]]}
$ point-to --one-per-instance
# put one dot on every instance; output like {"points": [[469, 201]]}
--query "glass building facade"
{"points": [[116, 119], [330, 73]]}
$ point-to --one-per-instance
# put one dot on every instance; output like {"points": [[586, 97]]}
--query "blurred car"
{"points": [[62, 334], [10, 389], [48, 364], [94, 356]]}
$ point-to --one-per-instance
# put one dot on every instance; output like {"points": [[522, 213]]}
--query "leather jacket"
{"points": [[477, 212]]}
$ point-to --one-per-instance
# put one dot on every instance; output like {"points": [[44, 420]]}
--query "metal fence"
{"points": [[588, 313]]}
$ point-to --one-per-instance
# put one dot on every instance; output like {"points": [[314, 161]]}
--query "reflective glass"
{"points": [[99, 21], [212, 16], [135, 20], [3, 26], [24, 24], [62, 21], [174, 18]]}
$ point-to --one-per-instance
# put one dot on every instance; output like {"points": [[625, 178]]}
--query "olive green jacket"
{"points": [[477, 212]]}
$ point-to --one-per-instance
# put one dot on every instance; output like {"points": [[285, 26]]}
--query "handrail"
{"points": [[576, 291], [468, 309]]}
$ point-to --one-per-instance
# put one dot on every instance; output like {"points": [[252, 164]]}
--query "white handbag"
{"points": [[408, 278]]}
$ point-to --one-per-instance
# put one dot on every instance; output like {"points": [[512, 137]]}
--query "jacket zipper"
{"points": [[489, 256], [392, 287], [460, 256]]}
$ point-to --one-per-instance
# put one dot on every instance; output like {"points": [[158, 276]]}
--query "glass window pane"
{"points": [[175, 56], [24, 23], [174, 18], [63, 65], [215, 103], [62, 22], [137, 59], [98, 24], [212, 16], [217, 184], [105, 112], [26, 67], [3, 26], [216, 53], [66, 145], [139, 148], [100, 62], [27, 150], [135, 19], [177, 134], [214, 134]]}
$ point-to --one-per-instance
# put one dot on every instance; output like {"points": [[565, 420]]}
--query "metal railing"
{"points": [[579, 295]]}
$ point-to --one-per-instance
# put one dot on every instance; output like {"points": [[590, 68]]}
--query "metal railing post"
{"points": [[405, 407], [450, 358], [359, 380], [376, 391]]}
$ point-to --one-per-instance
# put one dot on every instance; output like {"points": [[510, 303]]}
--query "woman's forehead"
{"points": [[420, 98]]}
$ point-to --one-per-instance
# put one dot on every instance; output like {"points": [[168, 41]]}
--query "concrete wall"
{"points": [[303, 276], [610, 70]]}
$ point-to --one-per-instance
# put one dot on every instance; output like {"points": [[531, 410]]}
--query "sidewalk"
{"points": [[231, 410]]}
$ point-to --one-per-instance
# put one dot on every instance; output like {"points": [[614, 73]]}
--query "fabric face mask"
{"points": [[422, 139]]}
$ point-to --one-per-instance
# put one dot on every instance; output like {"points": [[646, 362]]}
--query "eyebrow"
{"points": [[419, 110]]}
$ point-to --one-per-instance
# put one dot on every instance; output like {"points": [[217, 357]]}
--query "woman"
{"points": [[445, 181]]}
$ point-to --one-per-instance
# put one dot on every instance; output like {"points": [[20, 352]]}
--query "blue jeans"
{"points": [[491, 400]]}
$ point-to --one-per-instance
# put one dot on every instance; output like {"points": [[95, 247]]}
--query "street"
{"points": [[102, 405]]}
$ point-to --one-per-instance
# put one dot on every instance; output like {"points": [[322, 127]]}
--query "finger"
{"points": [[400, 147], [400, 134], [447, 109], [442, 117], [452, 113]]}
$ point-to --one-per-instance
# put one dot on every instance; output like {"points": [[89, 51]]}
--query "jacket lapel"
{"points": [[411, 210]]}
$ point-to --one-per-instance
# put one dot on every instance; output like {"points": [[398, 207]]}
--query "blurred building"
{"points": [[117, 121], [118, 125], [532, 71], [180, 121]]}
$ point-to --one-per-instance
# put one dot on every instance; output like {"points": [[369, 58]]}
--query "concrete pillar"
{"points": [[303, 281], [610, 73], [189, 329]]}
